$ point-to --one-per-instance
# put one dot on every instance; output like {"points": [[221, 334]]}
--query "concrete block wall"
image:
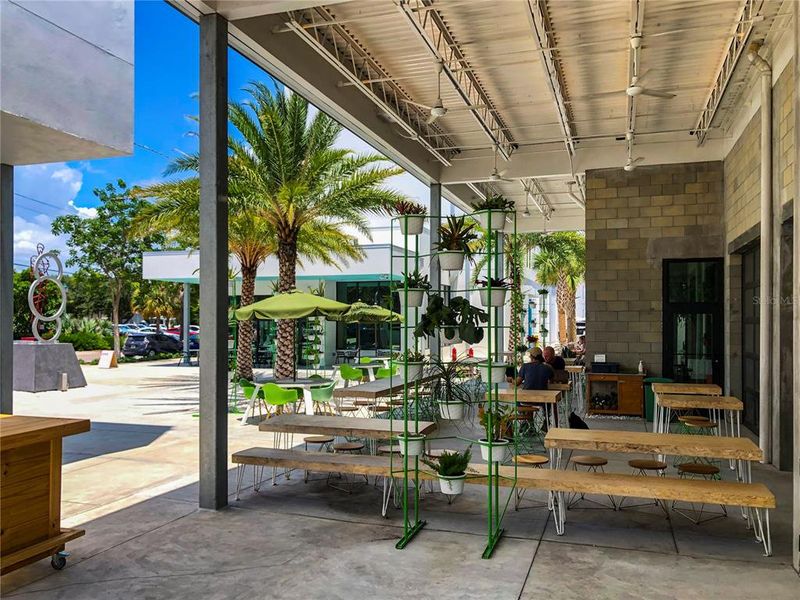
{"points": [[633, 222]]}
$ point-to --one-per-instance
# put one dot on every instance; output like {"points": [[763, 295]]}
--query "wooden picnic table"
{"points": [[340, 426], [704, 446], [727, 407], [701, 389], [549, 398], [379, 388]]}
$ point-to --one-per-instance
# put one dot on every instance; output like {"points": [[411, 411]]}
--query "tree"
{"points": [[290, 193], [157, 299], [560, 260], [102, 243], [82, 297]]}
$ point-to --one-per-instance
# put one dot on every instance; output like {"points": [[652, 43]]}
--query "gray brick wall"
{"points": [[633, 222]]}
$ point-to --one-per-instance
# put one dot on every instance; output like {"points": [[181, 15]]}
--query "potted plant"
{"points": [[459, 315], [497, 368], [411, 216], [414, 288], [447, 389], [451, 467], [495, 423], [451, 336], [491, 213], [455, 237], [412, 444], [532, 339], [493, 291], [415, 361]]}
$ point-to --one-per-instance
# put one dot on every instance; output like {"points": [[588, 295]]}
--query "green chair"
{"points": [[249, 392], [278, 397], [385, 372], [366, 360], [350, 374], [322, 398]]}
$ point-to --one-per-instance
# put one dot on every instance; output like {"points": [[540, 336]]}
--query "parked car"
{"points": [[150, 344], [193, 330]]}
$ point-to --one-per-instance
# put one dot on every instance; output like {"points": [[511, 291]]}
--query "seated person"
{"points": [[535, 375], [580, 345], [558, 365]]}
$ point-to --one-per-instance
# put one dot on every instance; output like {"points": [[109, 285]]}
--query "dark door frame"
{"points": [[669, 309]]}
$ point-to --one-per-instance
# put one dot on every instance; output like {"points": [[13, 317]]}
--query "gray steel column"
{"points": [[6, 288], [435, 273], [187, 357], [213, 261]]}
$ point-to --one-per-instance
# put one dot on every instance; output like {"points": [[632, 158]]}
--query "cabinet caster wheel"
{"points": [[58, 562]]}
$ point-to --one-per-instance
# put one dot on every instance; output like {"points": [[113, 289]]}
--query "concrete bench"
{"points": [[751, 495]]}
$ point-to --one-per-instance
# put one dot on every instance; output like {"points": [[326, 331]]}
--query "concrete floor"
{"points": [[131, 483]]}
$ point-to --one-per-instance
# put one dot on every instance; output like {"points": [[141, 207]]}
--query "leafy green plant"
{"points": [[87, 340], [451, 464], [542, 292], [495, 422], [411, 356], [458, 314], [407, 207], [457, 235], [496, 202], [417, 281], [495, 282], [446, 385]]}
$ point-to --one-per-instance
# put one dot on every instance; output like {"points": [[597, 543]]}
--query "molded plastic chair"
{"points": [[366, 360], [385, 372], [322, 397], [350, 374], [248, 391], [276, 396]]}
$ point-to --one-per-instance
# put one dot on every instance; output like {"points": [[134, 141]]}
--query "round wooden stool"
{"points": [[534, 460], [642, 467], [348, 447], [347, 482], [389, 449], [348, 411], [697, 470], [324, 442], [593, 464]]}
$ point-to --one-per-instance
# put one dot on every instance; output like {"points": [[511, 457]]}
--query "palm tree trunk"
{"points": [[572, 326], [287, 267], [244, 348], [562, 301]]}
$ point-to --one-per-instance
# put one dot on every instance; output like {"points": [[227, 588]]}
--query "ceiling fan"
{"points": [[438, 108], [636, 89], [497, 175]]}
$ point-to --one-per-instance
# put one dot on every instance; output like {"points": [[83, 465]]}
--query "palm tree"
{"points": [[290, 193], [156, 299], [560, 260]]}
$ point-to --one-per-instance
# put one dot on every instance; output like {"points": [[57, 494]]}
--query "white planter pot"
{"points": [[413, 445], [415, 297], [452, 485], [496, 298], [497, 221], [411, 224], [498, 372], [451, 260], [456, 339], [414, 370], [499, 450], [452, 411]]}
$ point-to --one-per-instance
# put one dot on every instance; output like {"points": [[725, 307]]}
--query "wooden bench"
{"points": [[752, 495]]}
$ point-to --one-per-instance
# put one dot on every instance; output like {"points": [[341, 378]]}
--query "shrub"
{"points": [[87, 340]]}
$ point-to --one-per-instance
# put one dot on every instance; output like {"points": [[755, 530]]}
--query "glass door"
{"points": [[751, 282], [693, 313]]}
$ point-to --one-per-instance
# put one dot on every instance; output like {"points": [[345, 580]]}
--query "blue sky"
{"points": [[166, 83]]}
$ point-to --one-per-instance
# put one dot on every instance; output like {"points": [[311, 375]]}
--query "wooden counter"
{"points": [[30, 489], [626, 389]]}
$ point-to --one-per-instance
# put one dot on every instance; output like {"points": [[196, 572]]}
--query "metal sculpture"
{"points": [[40, 268]]}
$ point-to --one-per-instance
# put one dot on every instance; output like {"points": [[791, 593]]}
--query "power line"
{"points": [[149, 149], [17, 264], [39, 201]]}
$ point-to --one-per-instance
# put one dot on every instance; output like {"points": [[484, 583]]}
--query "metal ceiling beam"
{"points": [[343, 52], [535, 193], [542, 31], [429, 25], [738, 42]]}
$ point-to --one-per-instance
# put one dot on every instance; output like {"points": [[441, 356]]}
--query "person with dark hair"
{"points": [[558, 365], [535, 375]]}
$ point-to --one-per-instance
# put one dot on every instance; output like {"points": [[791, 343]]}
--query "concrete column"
{"points": [[796, 292], [6, 288], [435, 273], [213, 261], [765, 346], [187, 357]]}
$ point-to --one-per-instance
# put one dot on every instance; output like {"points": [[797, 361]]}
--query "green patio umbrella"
{"points": [[361, 312], [292, 305]]}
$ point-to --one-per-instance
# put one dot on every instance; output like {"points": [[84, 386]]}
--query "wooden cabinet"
{"points": [[615, 394], [30, 489]]}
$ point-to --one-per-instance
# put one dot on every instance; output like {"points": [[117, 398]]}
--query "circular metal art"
{"points": [[40, 266]]}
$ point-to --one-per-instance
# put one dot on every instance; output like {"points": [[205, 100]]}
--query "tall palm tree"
{"points": [[290, 193], [156, 299], [560, 260]]}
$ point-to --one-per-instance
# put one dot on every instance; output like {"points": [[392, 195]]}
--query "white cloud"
{"points": [[72, 178], [30, 232], [83, 211]]}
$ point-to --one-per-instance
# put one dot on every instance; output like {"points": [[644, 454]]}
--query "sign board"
{"points": [[600, 358], [108, 360]]}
